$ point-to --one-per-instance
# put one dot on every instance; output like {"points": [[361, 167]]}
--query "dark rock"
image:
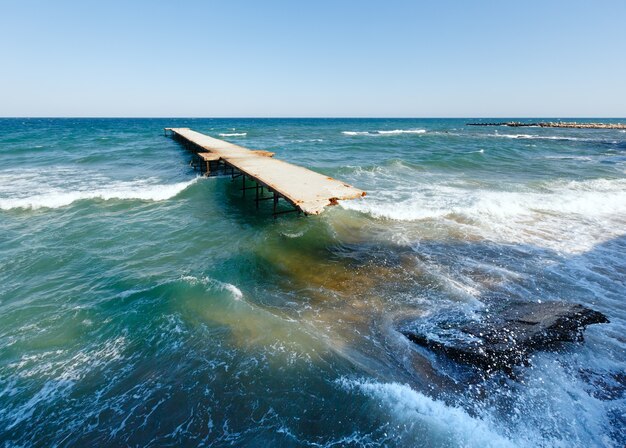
{"points": [[503, 339]]}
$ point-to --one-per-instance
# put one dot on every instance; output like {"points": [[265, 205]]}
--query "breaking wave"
{"points": [[539, 413], [418, 414], [234, 134], [213, 283], [30, 190], [572, 215], [549, 137], [393, 132]]}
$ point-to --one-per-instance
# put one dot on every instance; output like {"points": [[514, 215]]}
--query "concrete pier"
{"points": [[307, 191]]}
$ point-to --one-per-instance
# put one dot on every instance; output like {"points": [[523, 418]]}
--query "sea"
{"points": [[144, 305]]}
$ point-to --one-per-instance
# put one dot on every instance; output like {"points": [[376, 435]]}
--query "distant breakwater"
{"points": [[554, 124]]}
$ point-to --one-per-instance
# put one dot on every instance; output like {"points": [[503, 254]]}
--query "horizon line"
{"points": [[113, 117]]}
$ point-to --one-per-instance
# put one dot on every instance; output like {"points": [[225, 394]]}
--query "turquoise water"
{"points": [[142, 305]]}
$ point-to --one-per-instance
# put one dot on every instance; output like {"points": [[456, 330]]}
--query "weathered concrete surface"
{"points": [[307, 190], [501, 340]]}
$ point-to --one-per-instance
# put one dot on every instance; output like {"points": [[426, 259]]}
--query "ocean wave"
{"points": [[392, 132], [550, 137], [402, 131], [535, 137], [422, 416], [311, 140], [570, 216], [355, 132], [549, 407], [24, 191], [581, 158], [61, 374], [589, 198], [233, 134], [513, 135], [214, 283], [292, 235]]}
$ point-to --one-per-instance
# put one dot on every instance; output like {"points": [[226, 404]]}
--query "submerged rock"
{"points": [[505, 338]]}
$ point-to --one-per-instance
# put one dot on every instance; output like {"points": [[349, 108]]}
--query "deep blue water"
{"points": [[142, 305]]}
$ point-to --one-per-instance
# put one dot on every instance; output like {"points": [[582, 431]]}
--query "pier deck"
{"points": [[308, 191]]}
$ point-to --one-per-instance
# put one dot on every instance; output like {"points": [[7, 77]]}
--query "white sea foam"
{"points": [[311, 140], [421, 416], [589, 198], [214, 283], [548, 137], [26, 189], [549, 407], [569, 216], [233, 134], [392, 132], [512, 135], [236, 292], [355, 132], [402, 131], [61, 374], [292, 235]]}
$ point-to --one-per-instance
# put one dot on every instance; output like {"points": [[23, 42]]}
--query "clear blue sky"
{"points": [[233, 58]]}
